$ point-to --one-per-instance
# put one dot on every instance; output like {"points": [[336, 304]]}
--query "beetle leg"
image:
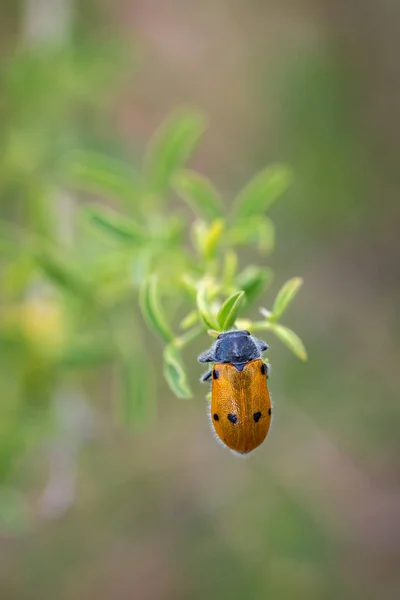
{"points": [[206, 376]]}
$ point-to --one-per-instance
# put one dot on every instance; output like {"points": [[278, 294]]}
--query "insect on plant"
{"points": [[204, 278], [240, 401], [154, 243]]}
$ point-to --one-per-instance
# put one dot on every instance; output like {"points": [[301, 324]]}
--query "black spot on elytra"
{"points": [[216, 417], [215, 374], [257, 416], [263, 369], [232, 418], [269, 411]]}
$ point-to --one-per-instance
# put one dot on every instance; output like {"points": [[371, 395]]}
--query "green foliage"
{"points": [[290, 339], [285, 296], [143, 264], [208, 272], [264, 189], [175, 373], [151, 310], [170, 147], [229, 310], [115, 225], [98, 174], [199, 193]]}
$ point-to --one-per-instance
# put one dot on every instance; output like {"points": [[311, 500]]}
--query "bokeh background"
{"points": [[92, 508]]}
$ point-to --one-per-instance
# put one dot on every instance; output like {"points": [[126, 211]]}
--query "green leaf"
{"points": [[120, 227], [253, 281], [191, 319], [204, 307], [175, 373], [285, 296], [171, 146], [103, 175], [151, 310], [260, 193], [229, 268], [290, 339], [229, 311], [207, 237], [212, 238], [199, 193], [253, 230], [266, 235], [63, 274], [190, 285]]}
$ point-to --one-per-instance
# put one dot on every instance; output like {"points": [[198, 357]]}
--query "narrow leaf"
{"points": [[212, 238], [290, 339], [204, 309], [266, 235], [103, 175], [285, 296], [171, 146], [151, 310], [253, 230], [62, 274], [207, 237], [191, 319], [175, 373], [118, 226], [253, 281], [229, 268], [199, 193], [229, 310], [260, 193]]}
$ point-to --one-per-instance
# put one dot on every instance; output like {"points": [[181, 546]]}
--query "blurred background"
{"points": [[92, 507]]}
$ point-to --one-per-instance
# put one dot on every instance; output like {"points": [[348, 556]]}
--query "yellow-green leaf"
{"points": [[63, 274], [199, 193], [100, 174], [290, 339], [151, 310], [257, 229], [171, 146], [229, 268], [118, 226], [204, 308], [229, 310], [207, 237], [253, 281], [260, 193], [175, 373], [191, 319], [285, 296]]}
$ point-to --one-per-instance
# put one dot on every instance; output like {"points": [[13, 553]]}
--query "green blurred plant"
{"points": [[149, 256], [169, 271]]}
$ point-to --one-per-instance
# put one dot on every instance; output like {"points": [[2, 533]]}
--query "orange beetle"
{"points": [[240, 401]]}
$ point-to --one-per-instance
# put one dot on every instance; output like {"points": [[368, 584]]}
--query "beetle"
{"points": [[240, 401]]}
